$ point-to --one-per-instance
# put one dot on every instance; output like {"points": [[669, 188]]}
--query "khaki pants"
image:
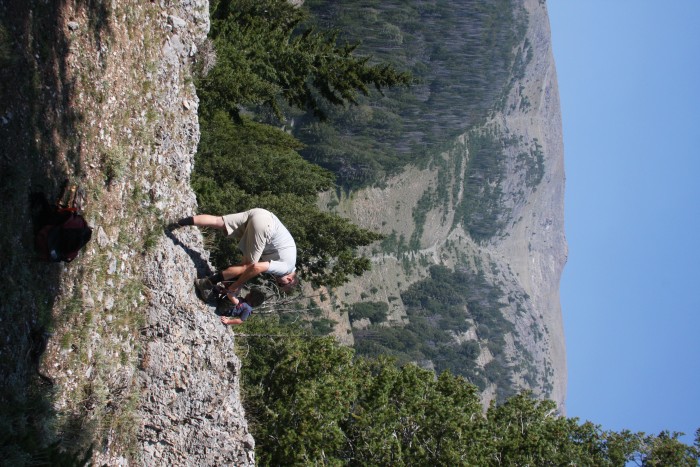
{"points": [[252, 228]]}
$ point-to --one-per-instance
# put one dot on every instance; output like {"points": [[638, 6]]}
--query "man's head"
{"points": [[287, 282]]}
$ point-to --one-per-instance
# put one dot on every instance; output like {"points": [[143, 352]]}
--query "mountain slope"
{"points": [[492, 206]]}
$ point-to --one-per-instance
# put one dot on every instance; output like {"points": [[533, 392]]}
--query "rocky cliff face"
{"points": [[526, 256], [189, 404], [140, 369], [536, 248]]}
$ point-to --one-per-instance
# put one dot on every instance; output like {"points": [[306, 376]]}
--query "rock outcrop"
{"points": [[190, 403], [135, 370], [536, 248]]}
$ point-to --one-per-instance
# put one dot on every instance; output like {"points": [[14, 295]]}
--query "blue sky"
{"points": [[629, 82]]}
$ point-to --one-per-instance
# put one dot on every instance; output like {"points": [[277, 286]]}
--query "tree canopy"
{"points": [[310, 401], [264, 53]]}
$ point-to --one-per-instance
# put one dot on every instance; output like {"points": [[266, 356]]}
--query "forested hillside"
{"points": [[315, 79], [462, 56], [447, 299]]}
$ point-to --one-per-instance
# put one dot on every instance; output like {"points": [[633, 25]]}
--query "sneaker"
{"points": [[204, 288]]}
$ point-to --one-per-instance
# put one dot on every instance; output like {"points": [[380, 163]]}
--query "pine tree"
{"points": [[264, 53]]}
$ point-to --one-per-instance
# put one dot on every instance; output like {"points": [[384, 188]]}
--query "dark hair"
{"points": [[255, 298]]}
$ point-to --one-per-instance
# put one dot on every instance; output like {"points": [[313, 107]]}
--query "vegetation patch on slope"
{"points": [[311, 401], [440, 308]]}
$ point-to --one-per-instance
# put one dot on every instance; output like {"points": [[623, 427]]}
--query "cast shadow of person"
{"points": [[203, 267], [201, 264]]}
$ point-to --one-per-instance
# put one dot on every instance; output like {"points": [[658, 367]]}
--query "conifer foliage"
{"points": [[310, 402], [264, 53]]}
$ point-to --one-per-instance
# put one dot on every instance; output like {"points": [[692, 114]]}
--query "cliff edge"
{"points": [[189, 405]]}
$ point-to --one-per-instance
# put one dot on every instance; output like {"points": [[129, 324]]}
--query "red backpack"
{"points": [[60, 231], [63, 241]]}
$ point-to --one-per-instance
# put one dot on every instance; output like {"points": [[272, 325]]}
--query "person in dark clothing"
{"points": [[242, 307]]}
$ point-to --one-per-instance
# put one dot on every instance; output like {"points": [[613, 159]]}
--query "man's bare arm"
{"points": [[207, 220], [247, 272]]}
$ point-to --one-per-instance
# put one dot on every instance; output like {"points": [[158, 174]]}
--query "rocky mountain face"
{"points": [[190, 404], [133, 364], [189, 401], [521, 252]]}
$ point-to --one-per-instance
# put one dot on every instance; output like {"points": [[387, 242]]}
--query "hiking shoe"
{"points": [[204, 288]]}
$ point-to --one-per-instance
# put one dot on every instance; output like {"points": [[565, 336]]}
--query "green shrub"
{"points": [[376, 312]]}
